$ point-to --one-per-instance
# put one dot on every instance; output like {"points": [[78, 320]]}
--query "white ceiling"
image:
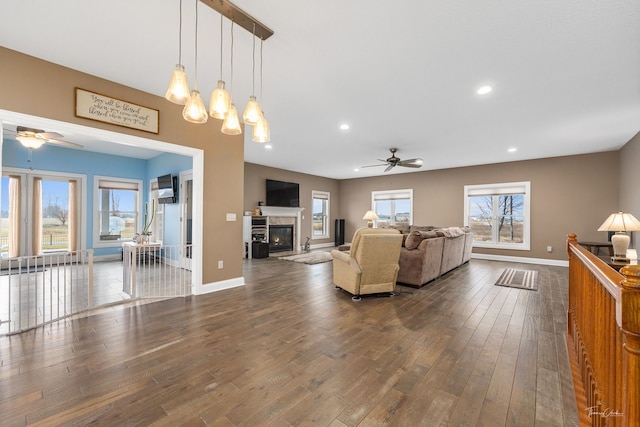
{"points": [[565, 73]]}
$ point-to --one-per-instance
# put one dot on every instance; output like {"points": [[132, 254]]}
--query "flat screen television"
{"points": [[283, 194], [167, 188]]}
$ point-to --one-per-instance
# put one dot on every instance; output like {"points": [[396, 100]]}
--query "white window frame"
{"points": [[321, 195], [523, 187], [97, 243], [406, 193], [157, 226]]}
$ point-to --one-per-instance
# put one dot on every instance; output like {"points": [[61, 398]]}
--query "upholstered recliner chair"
{"points": [[371, 265]]}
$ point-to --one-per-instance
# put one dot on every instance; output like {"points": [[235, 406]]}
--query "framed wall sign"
{"points": [[102, 108]]}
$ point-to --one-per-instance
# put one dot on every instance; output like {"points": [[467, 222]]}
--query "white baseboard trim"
{"points": [[542, 261], [323, 245], [221, 285], [114, 257]]}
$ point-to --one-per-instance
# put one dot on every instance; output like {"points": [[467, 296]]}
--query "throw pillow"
{"points": [[416, 237]]}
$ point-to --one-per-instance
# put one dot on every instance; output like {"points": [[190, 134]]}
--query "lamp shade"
{"points": [[252, 112], [370, 216], [219, 103], [620, 221], [261, 132], [178, 91], [231, 124], [194, 110]]}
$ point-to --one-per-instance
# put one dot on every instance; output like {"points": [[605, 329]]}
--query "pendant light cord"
{"points": [[221, 34], [195, 73], [261, 43], [180, 36], [253, 62], [231, 79]]}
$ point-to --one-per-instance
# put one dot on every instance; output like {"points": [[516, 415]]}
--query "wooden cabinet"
{"points": [[254, 229]]}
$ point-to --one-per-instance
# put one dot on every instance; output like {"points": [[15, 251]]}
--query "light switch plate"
{"points": [[231, 217]]}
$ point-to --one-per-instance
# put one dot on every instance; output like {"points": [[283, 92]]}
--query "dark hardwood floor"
{"points": [[288, 349]]}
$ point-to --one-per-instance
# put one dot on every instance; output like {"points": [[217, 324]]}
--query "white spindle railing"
{"points": [[156, 271], [37, 290]]}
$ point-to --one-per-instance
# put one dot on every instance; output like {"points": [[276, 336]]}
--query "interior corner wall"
{"points": [[255, 191], [571, 194], [35, 87], [629, 177]]}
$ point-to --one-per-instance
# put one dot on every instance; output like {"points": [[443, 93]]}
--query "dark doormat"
{"points": [[521, 279]]}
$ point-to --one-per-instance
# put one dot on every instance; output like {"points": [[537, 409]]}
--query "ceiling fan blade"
{"points": [[372, 166], [412, 163], [389, 168], [49, 135], [65, 143]]}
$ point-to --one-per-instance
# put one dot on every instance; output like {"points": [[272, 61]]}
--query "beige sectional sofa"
{"points": [[429, 252]]}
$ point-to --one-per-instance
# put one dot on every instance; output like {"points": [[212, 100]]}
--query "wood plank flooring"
{"points": [[288, 349]]}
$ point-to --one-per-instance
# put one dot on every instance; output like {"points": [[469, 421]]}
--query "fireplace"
{"points": [[280, 237]]}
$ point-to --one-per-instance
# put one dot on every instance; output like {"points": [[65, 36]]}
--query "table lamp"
{"points": [[620, 222], [370, 216]]}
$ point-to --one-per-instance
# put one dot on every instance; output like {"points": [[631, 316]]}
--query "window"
{"points": [[117, 210], [320, 215], [41, 212], [394, 207], [498, 214]]}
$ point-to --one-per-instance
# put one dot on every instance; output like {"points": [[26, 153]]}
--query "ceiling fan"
{"points": [[394, 161], [34, 138]]}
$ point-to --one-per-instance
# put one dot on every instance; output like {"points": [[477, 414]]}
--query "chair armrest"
{"points": [[341, 256]]}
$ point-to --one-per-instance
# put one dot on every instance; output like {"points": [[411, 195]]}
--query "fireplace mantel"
{"points": [[278, 211]]}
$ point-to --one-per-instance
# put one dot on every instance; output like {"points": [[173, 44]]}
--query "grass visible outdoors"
{"points": [[482, 232], [54, 234]]}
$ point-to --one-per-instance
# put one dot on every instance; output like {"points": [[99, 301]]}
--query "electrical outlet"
{"points": [[549, 249], [220, 264]]}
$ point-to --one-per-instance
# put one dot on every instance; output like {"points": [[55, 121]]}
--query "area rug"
{"points": [[309, 258], [521, 279]]}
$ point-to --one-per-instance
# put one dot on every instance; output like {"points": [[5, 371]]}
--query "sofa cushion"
{"points": [[421, 228], [402, 228], [415, 237]]}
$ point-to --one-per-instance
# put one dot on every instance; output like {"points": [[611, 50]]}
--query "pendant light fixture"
{"points": [[220, 100], [178, 90], [252, 111], [261, 132], [194, 110], [231, 124]]}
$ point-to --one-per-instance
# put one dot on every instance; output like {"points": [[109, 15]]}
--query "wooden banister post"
{"points": [[571, 238], [630, 294]]}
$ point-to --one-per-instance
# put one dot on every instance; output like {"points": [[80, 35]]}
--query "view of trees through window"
{"points": [[117, 213], [393, 212], [55, 215], [497, 218]]}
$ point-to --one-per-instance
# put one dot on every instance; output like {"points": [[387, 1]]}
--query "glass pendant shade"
{"points": [[231, 124], [219, 103], [178, 91], [30, 141], [195, 111], [252, 112], [261, 131]]}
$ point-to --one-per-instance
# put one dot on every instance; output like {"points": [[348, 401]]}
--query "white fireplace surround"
{"points": [[277, 211]]}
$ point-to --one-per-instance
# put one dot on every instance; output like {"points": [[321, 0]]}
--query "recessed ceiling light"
{"points": [[483, 90], [356, 170], [268, 147], [512, 150], [344, 126]]}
